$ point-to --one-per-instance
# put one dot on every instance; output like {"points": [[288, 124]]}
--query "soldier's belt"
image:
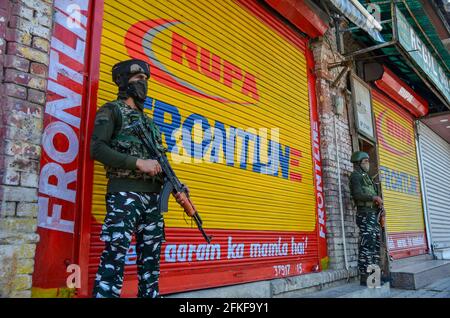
{"points": [[365, 204]]}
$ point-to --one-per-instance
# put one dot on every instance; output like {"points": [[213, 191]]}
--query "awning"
{"points": [[413, 51], [301, 15], [399, 91], [355, 15]]}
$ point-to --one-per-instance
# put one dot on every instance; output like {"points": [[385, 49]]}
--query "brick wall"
{"points": [[25, 30], [325, 53]]}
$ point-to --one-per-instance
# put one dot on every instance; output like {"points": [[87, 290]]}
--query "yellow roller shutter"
{"points": [[399, 177]]}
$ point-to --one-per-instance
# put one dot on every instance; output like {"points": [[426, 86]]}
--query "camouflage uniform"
{"points": [[131, 201], [129, 212], [363, 190]]}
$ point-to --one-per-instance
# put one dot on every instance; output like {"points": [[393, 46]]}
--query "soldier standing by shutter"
{"points": [[367, 200], [133, 187]]}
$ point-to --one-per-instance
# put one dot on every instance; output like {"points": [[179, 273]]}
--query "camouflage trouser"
{"points": [[129, 212], [369, 239]]}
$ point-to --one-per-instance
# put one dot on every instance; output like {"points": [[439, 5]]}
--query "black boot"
{"points": [[385, 279], [363, 279]]}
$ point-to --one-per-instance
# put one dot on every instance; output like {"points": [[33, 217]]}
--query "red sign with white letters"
{"points": [[61, 140], [395, 88]]}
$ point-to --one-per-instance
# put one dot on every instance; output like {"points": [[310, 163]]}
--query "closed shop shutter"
{"points": [[218, 65], [435, 160], [399, 178]]}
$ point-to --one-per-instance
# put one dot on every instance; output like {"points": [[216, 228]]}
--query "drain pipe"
{"points": [[341, 208]]}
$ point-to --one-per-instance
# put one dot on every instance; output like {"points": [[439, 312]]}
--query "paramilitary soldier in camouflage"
{"points": [[367, 200], [134, 185]]}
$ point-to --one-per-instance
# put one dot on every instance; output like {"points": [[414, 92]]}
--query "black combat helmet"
{"points": [[123, 71]]}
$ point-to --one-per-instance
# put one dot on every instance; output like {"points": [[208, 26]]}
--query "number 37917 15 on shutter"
{"points": [[285, 270]]}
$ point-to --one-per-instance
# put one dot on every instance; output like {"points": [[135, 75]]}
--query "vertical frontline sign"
{"points": [[60, 147], [418, 51]]}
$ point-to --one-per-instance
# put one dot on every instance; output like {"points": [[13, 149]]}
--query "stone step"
{"points": [[415, 275], [352, 290], [410, 260]]}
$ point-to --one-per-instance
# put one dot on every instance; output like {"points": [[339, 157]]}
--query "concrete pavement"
{"points": [[438, 289]]}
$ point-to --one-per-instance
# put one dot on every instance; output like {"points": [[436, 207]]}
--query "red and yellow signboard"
{"points": [[399, 177], [223, 80], [395, 88]]}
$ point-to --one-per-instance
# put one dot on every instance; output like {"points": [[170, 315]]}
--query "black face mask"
{"points": [[138, 91]]}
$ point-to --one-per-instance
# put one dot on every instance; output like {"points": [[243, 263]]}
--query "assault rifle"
{"points": [[171, 183], [386, 258]]}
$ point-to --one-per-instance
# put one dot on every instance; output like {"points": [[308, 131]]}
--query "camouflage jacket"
{"points": [[362, 187], [115, 145]]}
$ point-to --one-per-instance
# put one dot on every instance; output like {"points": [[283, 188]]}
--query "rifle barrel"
{"points": [[200, 227]]}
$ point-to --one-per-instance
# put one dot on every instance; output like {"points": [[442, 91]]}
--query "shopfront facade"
{"points": [[395, 107], [233, 93], [254, 107]]}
